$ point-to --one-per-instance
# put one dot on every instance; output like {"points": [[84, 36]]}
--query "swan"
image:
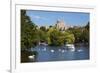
{"points": [[44, 49], [63, 51], [31, 56], [59, 49], [52, 50], [79, 50]]}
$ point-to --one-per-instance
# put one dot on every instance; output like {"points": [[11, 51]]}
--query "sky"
{"points": [[47, 18]]}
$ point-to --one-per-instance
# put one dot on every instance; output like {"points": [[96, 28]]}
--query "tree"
{"points": [[69, 37], [29, 36], [28, 28], [81, 34], [87, 26], [43, 28], [58, 38], [54, 37], [86, 33], [42, 36], [77, 33]]}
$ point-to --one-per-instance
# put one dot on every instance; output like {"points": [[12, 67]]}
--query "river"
{"points": [[59, 53]]}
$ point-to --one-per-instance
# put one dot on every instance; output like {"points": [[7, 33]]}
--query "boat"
{"points": [[43, 43], [70, 47]]}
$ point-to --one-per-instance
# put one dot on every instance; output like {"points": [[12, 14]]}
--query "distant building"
{"points": [[61, 25]]}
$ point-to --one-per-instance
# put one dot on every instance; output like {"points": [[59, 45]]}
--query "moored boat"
{"points": [[70, 46]]}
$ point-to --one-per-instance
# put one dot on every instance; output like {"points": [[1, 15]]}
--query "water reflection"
{"points": [[52, 53]]}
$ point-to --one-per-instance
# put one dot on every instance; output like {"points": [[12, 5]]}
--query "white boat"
{"points": [[71, 47], [45, 44]]}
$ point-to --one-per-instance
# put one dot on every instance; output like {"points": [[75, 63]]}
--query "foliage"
{"points": [[28, 29], [32, 35], [81, 34], [60, 38]]}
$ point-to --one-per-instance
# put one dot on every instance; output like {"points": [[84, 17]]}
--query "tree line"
{"points": [[31, 34]]}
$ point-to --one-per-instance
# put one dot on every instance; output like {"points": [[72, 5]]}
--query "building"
{"points": [[61, 25]]}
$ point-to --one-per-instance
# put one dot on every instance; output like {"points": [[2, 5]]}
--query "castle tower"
{"points": [[61, 25]]}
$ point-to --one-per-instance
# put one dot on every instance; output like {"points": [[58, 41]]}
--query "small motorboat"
{"points": [[71, 47]]}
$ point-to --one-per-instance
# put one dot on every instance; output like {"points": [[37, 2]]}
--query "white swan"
{"points": [[59, 49], [63, 51], [44, 49], [31, 56], [52, 50], [79, 50]]}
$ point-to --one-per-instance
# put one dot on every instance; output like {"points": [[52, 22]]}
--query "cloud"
{"points": [[37, 17]]}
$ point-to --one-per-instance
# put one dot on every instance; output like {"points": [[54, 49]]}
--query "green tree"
{"points": [[81, 34], [43, 28], [69, 37], [27, 31], [42, 36], [58, 38]]}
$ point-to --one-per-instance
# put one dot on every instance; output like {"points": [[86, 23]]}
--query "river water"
{"points": [[61, 53]]}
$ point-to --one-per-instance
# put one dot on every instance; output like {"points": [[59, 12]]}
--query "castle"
{"points": [[61, 25]]}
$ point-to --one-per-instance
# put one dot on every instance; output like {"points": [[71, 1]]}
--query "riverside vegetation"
{"points": [[32, 35]]}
